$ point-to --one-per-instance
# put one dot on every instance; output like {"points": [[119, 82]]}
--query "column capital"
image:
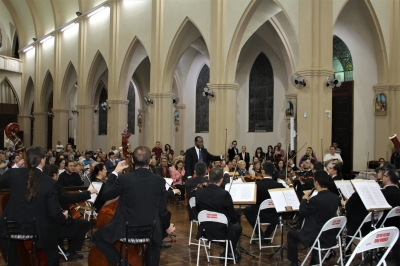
{"points": [[161, 95], [386, 87], [218, 86], [325, 72], [180, 106], [291, 96], [24, 116], [126, 102], [40, 113], [59, 111], [85, 107]]}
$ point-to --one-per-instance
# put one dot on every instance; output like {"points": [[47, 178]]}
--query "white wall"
{"points": [[365, 75]]}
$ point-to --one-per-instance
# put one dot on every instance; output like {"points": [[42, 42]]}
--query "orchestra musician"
{"points": [[221, 203], [99, 175], [316, 211], [269, 215], [233, 151], [73, 229], [309, 155], [197, 154], [142, 200], [245, 156], [33, 195]]}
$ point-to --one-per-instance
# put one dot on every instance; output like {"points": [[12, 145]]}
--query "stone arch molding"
{"points": [[29, 96], [45, 92], [97, 69], [13, 91], [186, 34], [66, 86]]}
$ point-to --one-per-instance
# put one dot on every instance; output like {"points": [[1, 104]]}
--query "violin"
{"points": [[201, 185], [249, 178]]}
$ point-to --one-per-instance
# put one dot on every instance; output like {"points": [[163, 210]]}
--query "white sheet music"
{"points": [[244, 192], [96, 185], [283, 198], [237, 181], [291, 199], [371, 194], [345, 187], [279, 200], [168, 183]]}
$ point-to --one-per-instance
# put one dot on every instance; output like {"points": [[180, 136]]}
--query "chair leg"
{"points": [[319, 253], [205, 249], [233, 252], [190, 233], [252, 234], [308, 254], [260, 237], [198, 252], [226, 252], [340, 250]]}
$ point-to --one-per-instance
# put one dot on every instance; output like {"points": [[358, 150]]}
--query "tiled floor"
{"points": [[181, 254]]}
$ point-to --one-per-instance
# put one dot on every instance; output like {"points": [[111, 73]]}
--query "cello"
{"points": [[107, 212], [24, 248]]}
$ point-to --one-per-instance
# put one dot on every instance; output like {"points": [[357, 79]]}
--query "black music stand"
{"points": [[239, 245], [281, 247]]}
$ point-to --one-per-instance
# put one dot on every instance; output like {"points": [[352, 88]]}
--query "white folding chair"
{"points": [[214, 217], [192, 204], [379, 238], [334, 223], [358, 234], [61, 252], [392, 213], [266, 204], [89, 213]]}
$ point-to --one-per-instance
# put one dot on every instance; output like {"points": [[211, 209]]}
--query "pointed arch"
{"points": [[5, 95], [187, 33], [134, 56], [21, 33], [131, 107], [47, 90], [239, 34], [69, 80], [29, 96], [202, 103], [97, 69]]}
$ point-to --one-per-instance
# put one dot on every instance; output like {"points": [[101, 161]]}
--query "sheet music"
{"points": [[345, 187], [96, 185], [279, 200], [284, 197], [237, 181], [242, 193], [371, 194], [168, 183], [291, 199]]}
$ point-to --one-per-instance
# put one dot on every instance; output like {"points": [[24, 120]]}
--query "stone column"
{"points": [[85, 127], [24, 122], [142, 140], [40, 129], [60, 125], [118, 121]]}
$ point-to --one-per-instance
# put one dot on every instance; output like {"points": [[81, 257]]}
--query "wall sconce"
{"points": [[76, 84], [328, 113], [105, 106], [32, 117], [74, 111], [50, 114], [298, 81], [78, 13], [148, 100], [96, 110], [333, 82], [208, 93]]}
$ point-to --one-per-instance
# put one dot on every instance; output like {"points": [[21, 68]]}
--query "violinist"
{"points": [[308, 156], [256, 170], [99, 175], [268, 215], [33, 195], [142, 200], [73, 229], [200, 170]]}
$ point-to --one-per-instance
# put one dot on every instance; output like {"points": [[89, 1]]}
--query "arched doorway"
{"points": [[8, 108]]}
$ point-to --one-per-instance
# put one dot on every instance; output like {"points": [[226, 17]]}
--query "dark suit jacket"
{"points": [[268, 215], [215, 199], [392, 195], [246, 159], [142, 200], [232, 154], [317, 212], [190, 184], [45, 208], [191, 159], [355, 214], [72, 180]]}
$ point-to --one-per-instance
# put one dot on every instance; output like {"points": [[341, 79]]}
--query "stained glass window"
{"points": [[131, 108], [103, 113], [261, 96], [342, 61], [202, 103]]}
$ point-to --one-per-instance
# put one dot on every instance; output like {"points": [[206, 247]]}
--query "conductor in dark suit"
{"points": [[245, 156], [233, 151], [197, 154], [268, 215], [316, 212], [142, 200], [33, 195], [215, 199]]}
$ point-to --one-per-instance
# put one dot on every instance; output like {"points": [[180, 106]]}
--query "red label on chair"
{"points": [[398, 211], [382, 237], [212, 215], [335, 222], [270, 203]]}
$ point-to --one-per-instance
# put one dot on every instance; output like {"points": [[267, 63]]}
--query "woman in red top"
{"points": [[177, 173]]}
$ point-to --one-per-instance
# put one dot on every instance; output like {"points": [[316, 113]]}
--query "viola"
{"points": [[249, 178], [107, 212]]}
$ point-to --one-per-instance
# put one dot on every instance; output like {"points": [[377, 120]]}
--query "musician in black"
{"points": [[73, 229], [33, 195], [395, 158]]}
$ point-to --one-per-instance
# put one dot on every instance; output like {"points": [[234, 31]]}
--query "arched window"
{"points": [[131, 108], [103, 112], [202, 103], [261, 96], [342, 61]]}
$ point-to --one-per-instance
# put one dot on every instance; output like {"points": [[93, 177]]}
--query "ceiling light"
{"points": [[96, 11], [46, 39], [27, 49], [68, 26]]}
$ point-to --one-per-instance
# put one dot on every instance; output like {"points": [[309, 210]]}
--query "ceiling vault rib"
{"points": [[36, 20]]}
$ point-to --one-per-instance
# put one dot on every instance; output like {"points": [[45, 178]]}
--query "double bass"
{"points": [[107, 212]]}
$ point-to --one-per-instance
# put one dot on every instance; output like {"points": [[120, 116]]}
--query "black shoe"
{"points": [[73, 256], [166, 245], [295, 226], [238, 256]]}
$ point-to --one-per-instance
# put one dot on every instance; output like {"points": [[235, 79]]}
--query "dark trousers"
{"points": [[112, 254], [52, 256], [75, 232], [293, 239], [250, 212], [236, 231]]}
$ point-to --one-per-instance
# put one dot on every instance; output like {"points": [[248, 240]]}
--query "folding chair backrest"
{"points": [[333, 223], [382, 237], [395, 212], [377, 216], [267, 204], [192, 202], [208, 216]]}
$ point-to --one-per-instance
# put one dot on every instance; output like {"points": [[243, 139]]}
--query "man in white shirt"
{"points": [[59, 147], [332, 156]]}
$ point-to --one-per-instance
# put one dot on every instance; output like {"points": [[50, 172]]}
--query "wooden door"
{"points": [[342, 122]]}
